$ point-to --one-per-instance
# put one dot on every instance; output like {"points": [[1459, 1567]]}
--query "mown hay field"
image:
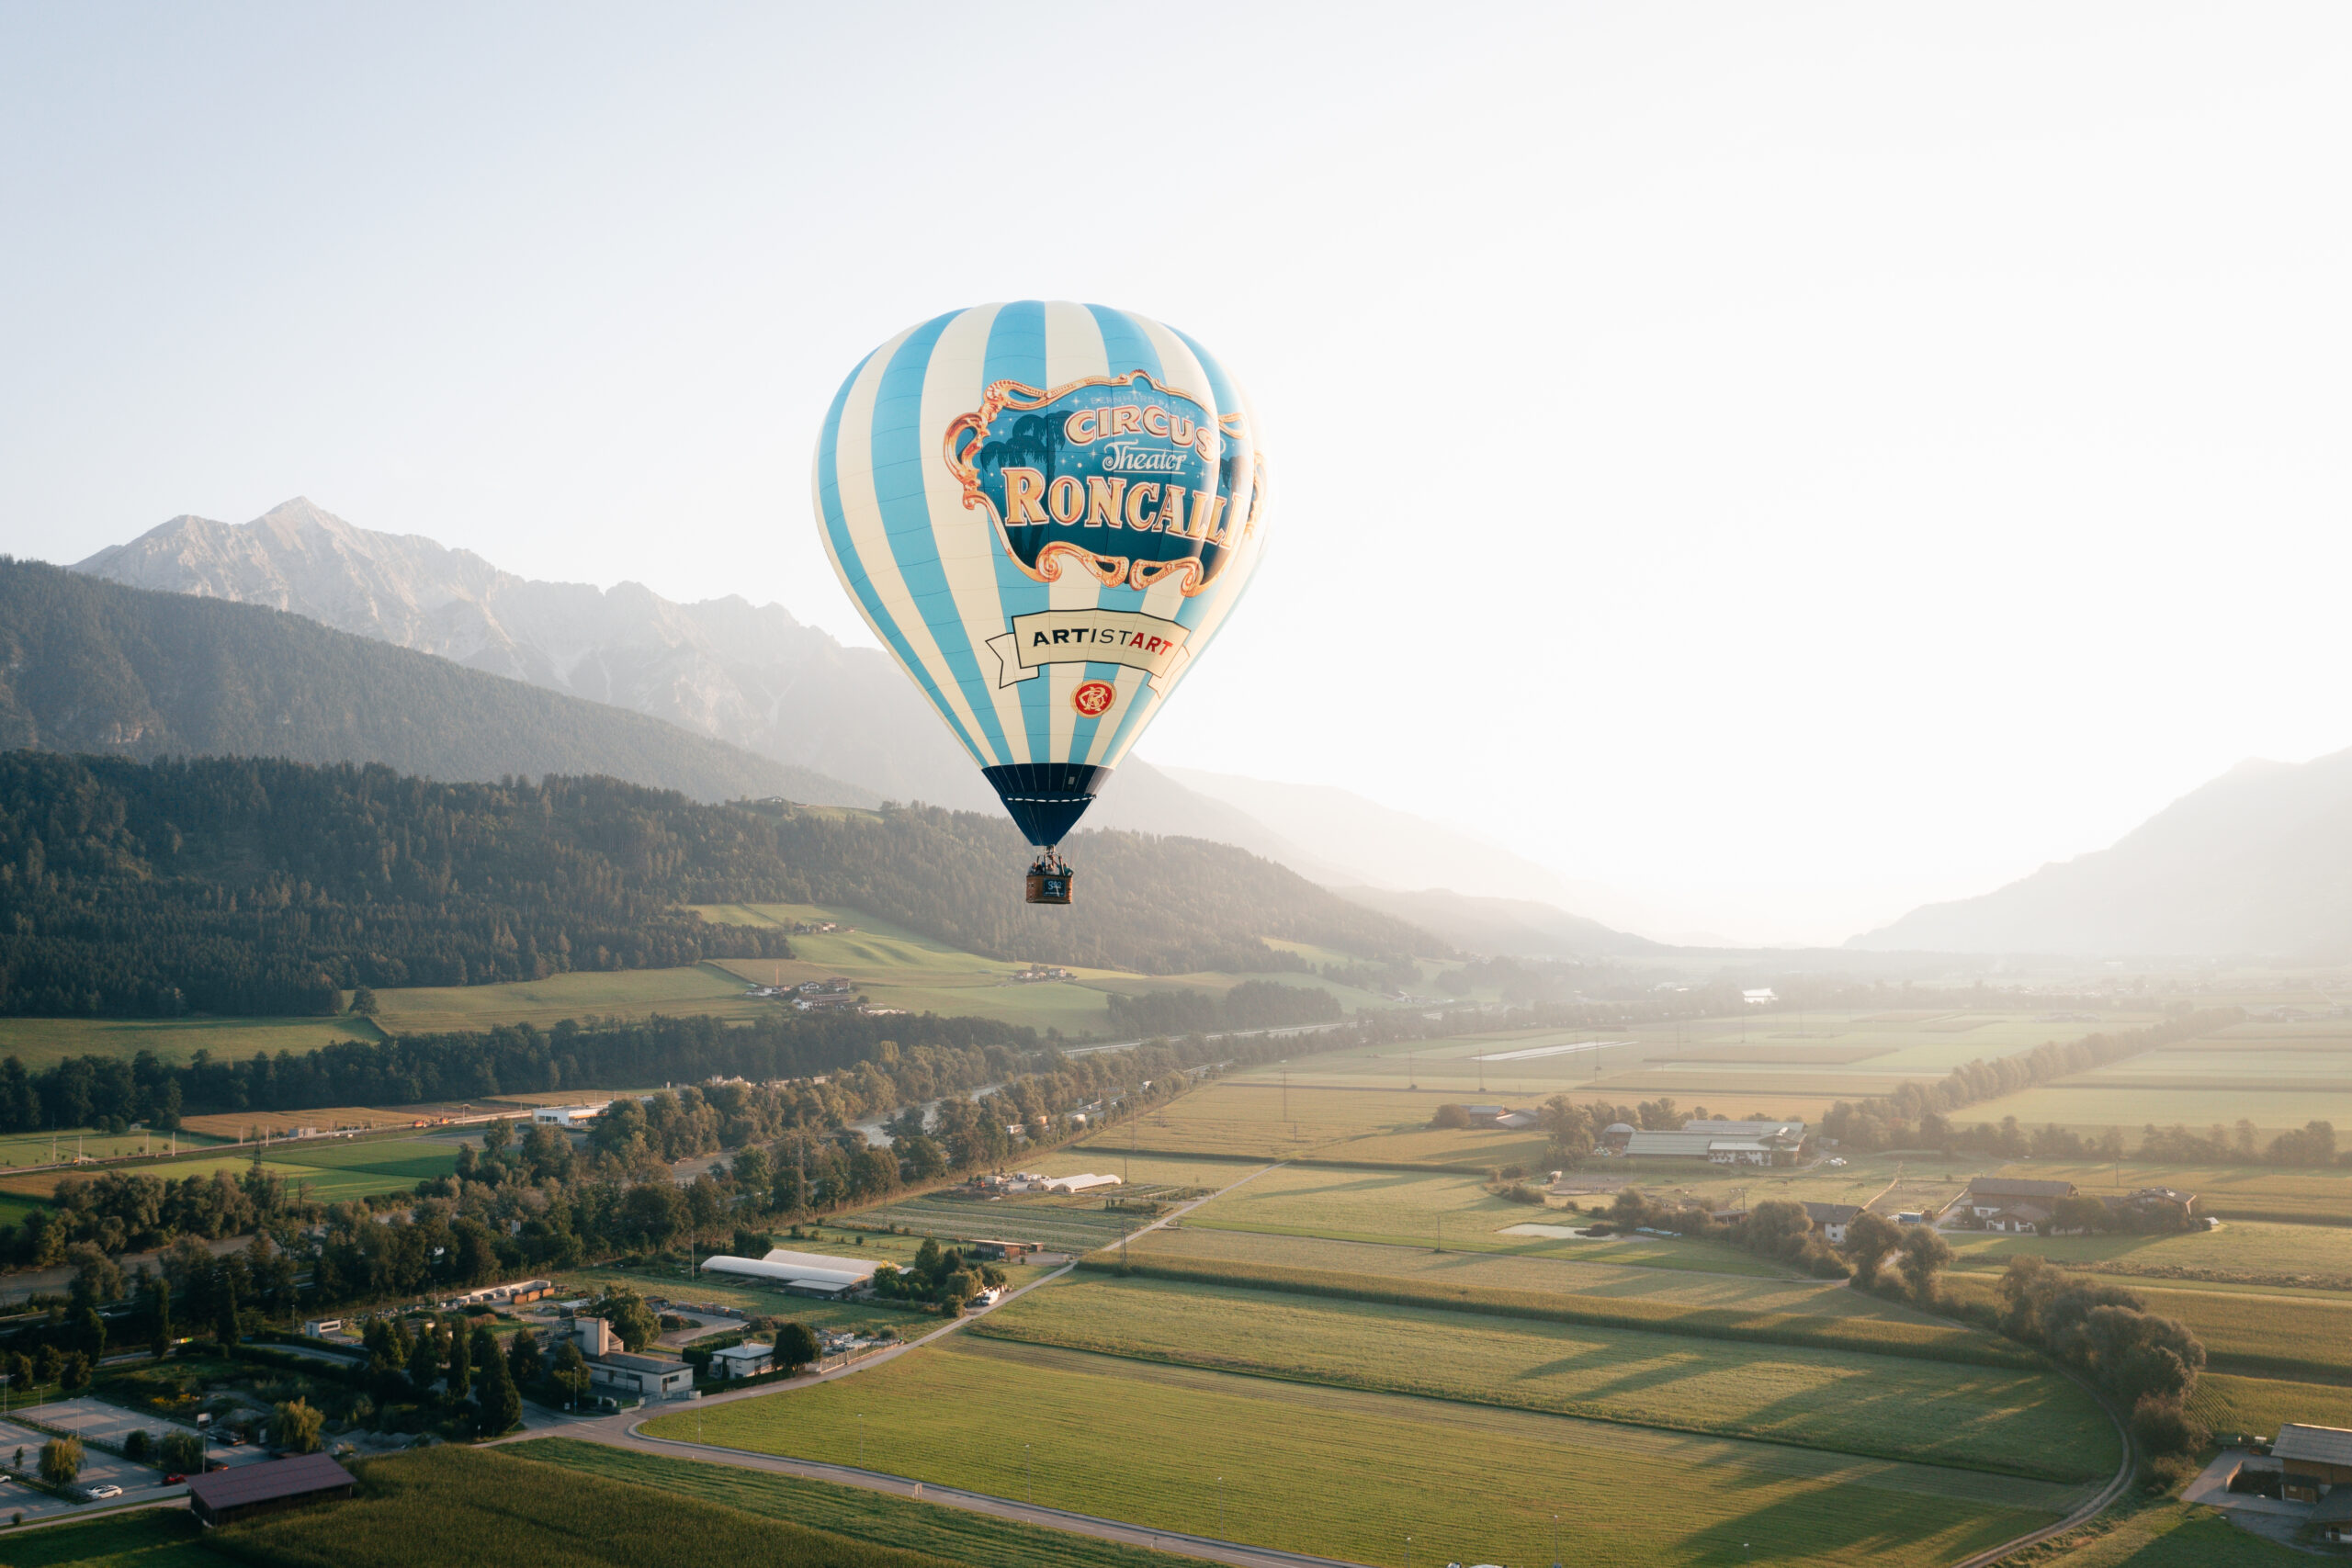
{"points": [[465, 1506], [2248, 1191], [2279, 1253], [2015, 1422], [1777, 1312], [703, 988], [2090, 1104], [38, 1043], [1349, 1473], [328, 1172], [882, 1519], [1436, 1210]]}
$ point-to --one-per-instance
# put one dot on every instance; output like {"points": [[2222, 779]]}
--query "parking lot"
{"points": [[89, 1419]]}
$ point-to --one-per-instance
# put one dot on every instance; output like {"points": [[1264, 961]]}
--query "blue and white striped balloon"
{"points": [[1044, 510]]}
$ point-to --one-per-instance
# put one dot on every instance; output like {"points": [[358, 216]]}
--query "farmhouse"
{"points": [[2019, 1219], [224, 1497], [1485, 1115], [2316, 1459], [1988, 1195], [801, 1273], [1831, 1220], [1718, 1143], [741, 1362]]}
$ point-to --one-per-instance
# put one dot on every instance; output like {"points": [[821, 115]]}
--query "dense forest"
{"points": [[1253, 1004], [260, 886], [244, 885], [92, 666]]}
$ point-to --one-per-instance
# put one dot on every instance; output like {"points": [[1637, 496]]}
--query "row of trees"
{"points": [[1252, 1004], [1901, 1120]]}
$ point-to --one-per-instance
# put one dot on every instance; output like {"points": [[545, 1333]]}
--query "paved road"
{"points": [[623, 1432]]}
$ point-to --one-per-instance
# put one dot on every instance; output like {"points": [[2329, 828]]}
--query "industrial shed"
{"points": [[804, 1273], [224, 1497], [2316, 1458]]}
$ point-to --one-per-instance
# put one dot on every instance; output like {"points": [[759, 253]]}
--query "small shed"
{"points": [[224, 1497]]}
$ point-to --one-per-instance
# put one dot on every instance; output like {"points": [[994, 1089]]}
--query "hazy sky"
{"points": [[1779, 464]]}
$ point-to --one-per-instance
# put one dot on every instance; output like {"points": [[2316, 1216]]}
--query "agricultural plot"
{"points": [[325, 1172], [2017, 1422], [1544, 1281], [1349, 1473], [2249, 1191], [2090, 1105], [2165, 1535], [2242, 1249], [48, 1148], [38, 1043], [850, 1511], [472, 1505], [703, 988], [1438, 1209], [144, 1538], [1076, 1224], [241, 1126], [2267, 1335], [2257, 1407], [1263, 1120]]}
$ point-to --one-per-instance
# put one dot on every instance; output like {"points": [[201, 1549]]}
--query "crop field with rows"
{"points": [[2016, 1421], [1350, 1473]]}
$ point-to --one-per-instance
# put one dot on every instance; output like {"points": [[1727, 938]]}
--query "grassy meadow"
{"points": [[954, 1535], [2017, 1422], [1438, 1210], [476, 1505], [702, 988], [2241, 1250], [138, 1538], [1350, 1473], [328, 1171], [38, 1043], [2140, 1533]]}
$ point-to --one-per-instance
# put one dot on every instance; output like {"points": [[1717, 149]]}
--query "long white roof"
{"points": [[820, 1268]]}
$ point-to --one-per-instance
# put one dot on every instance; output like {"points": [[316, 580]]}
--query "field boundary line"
{"points": [[2099, 1505], [1118, 1531]]}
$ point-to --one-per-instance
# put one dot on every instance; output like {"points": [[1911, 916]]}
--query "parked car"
{"points": [[173, 1480], [109, 1490]]}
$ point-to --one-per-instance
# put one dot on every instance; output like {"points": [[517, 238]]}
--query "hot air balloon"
{"points": [[1045, 511]]}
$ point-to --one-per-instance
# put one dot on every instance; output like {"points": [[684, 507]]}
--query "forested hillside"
{"points": [[96, 667], [262, 886]]}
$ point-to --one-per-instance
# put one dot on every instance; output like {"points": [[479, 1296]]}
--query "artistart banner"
{"points": [[1150, 643]]}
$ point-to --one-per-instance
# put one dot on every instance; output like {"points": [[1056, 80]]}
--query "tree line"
{"points": [[1252, 1004]]}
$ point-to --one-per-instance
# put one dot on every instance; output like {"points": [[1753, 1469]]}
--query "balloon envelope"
{"points": [[1044, 510]]}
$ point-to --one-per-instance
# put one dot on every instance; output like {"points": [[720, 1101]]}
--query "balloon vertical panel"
{"points": [[1045, 511]]}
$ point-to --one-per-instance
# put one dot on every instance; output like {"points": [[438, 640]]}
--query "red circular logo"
{"points": [[1093, 698]]}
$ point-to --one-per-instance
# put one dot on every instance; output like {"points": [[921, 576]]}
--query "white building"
{"points": [[803, 1273]]}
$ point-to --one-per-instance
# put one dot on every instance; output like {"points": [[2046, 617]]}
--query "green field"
{"points": [[461, 1506], [48, 1148], [2264, 1334], [2026, 1423], [953, 1534], [1787, 1312], [2091, 1107], [703, 988], [2250, 1191], [1413, 1209], [39, 1042], [141, 1537], [2142, 1533], [2259, 1406], [1350, 1473], [328, 1170], [2313, 1254]]}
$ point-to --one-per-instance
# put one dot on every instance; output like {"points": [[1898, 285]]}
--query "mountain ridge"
{"points": [[2255, 862]]}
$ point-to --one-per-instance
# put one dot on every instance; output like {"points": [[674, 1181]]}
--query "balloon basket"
{"points": [[1049, 880]]}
